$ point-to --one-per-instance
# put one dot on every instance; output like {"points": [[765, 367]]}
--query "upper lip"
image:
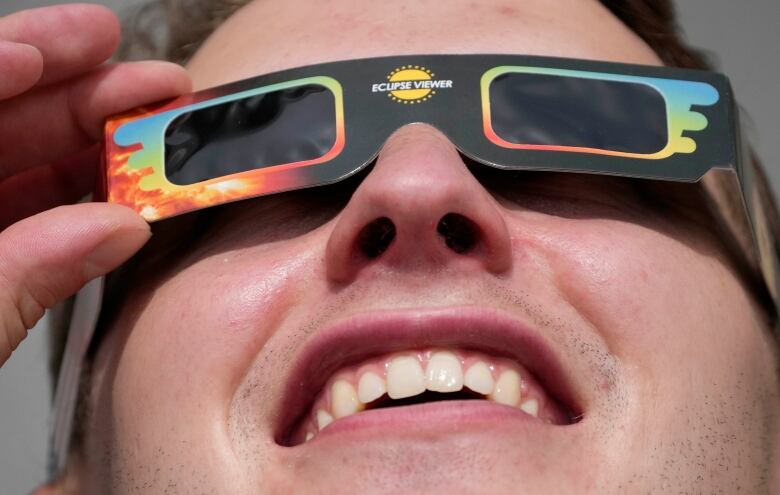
{"points": [[359, 337]]}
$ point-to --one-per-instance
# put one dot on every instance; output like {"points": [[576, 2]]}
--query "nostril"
{"points": [[460, 234], [376, 237]]}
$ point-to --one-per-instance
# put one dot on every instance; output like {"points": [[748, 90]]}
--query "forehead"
{"points": [[267, 36]]}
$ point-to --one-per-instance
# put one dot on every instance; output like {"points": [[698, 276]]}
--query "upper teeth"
{"points": [[507, 390], [344, 399], [407, 375], [444, 373], [371, 387], [479, 378]]}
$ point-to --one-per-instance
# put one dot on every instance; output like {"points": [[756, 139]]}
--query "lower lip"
{"points": [[444, 417]]}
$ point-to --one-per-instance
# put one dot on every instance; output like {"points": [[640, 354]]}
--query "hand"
{"points": [[54, 98]]}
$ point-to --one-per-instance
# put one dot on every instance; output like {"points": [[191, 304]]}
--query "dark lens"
{"points": [[276, 128], [540, 109]]}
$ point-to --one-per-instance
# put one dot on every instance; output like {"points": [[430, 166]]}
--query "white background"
{"points": [[744, 37]]}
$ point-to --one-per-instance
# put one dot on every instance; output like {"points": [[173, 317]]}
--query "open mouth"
{"points": [[384, 364]]}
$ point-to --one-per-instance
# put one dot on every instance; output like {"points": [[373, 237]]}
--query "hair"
{"points": [[174, 30]]}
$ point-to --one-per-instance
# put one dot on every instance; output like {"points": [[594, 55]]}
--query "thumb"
{"points": [[50, 256]]}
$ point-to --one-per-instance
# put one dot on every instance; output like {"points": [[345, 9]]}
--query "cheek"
{"points": [[226, 309], [183, 358], [641, 288], [610, 272]]}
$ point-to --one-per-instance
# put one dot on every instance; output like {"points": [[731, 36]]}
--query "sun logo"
{"points": [[411, 73], [411, 84]]}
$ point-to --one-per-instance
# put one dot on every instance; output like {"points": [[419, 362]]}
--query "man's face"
{"points": [[622, 318]]}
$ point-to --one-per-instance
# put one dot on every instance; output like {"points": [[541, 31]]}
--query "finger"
{"points": [[47, 258], [48, 123], [21, 67], [49, 186], [71, 38]]}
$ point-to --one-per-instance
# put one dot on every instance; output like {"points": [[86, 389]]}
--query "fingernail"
{"points": [[114, 251], [19, 47], [21, 65]]}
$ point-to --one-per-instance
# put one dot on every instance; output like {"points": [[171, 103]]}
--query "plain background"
{"points": [[743, 37]]}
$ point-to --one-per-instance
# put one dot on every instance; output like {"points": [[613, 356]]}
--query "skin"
{"points": [[675, 368]]}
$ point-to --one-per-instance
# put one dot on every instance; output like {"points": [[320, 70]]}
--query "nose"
{"points": [[419, 208]]}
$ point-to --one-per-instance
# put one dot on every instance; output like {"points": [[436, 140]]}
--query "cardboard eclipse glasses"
{"points": [[319, 124]]}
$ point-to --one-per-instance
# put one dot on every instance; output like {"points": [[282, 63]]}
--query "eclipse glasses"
{"points": [[317, 125]]}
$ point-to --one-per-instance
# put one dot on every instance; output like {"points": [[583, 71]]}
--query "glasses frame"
{"points": [[698, 106]]}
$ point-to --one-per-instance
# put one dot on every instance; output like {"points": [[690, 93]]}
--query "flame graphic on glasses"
{"points": [[125, 182]]}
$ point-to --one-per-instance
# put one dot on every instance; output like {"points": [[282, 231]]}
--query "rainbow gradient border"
{"points": [[135, 158], [679, 95]]}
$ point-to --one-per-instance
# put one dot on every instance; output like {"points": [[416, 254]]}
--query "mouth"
{"points": [[396, 369]]}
